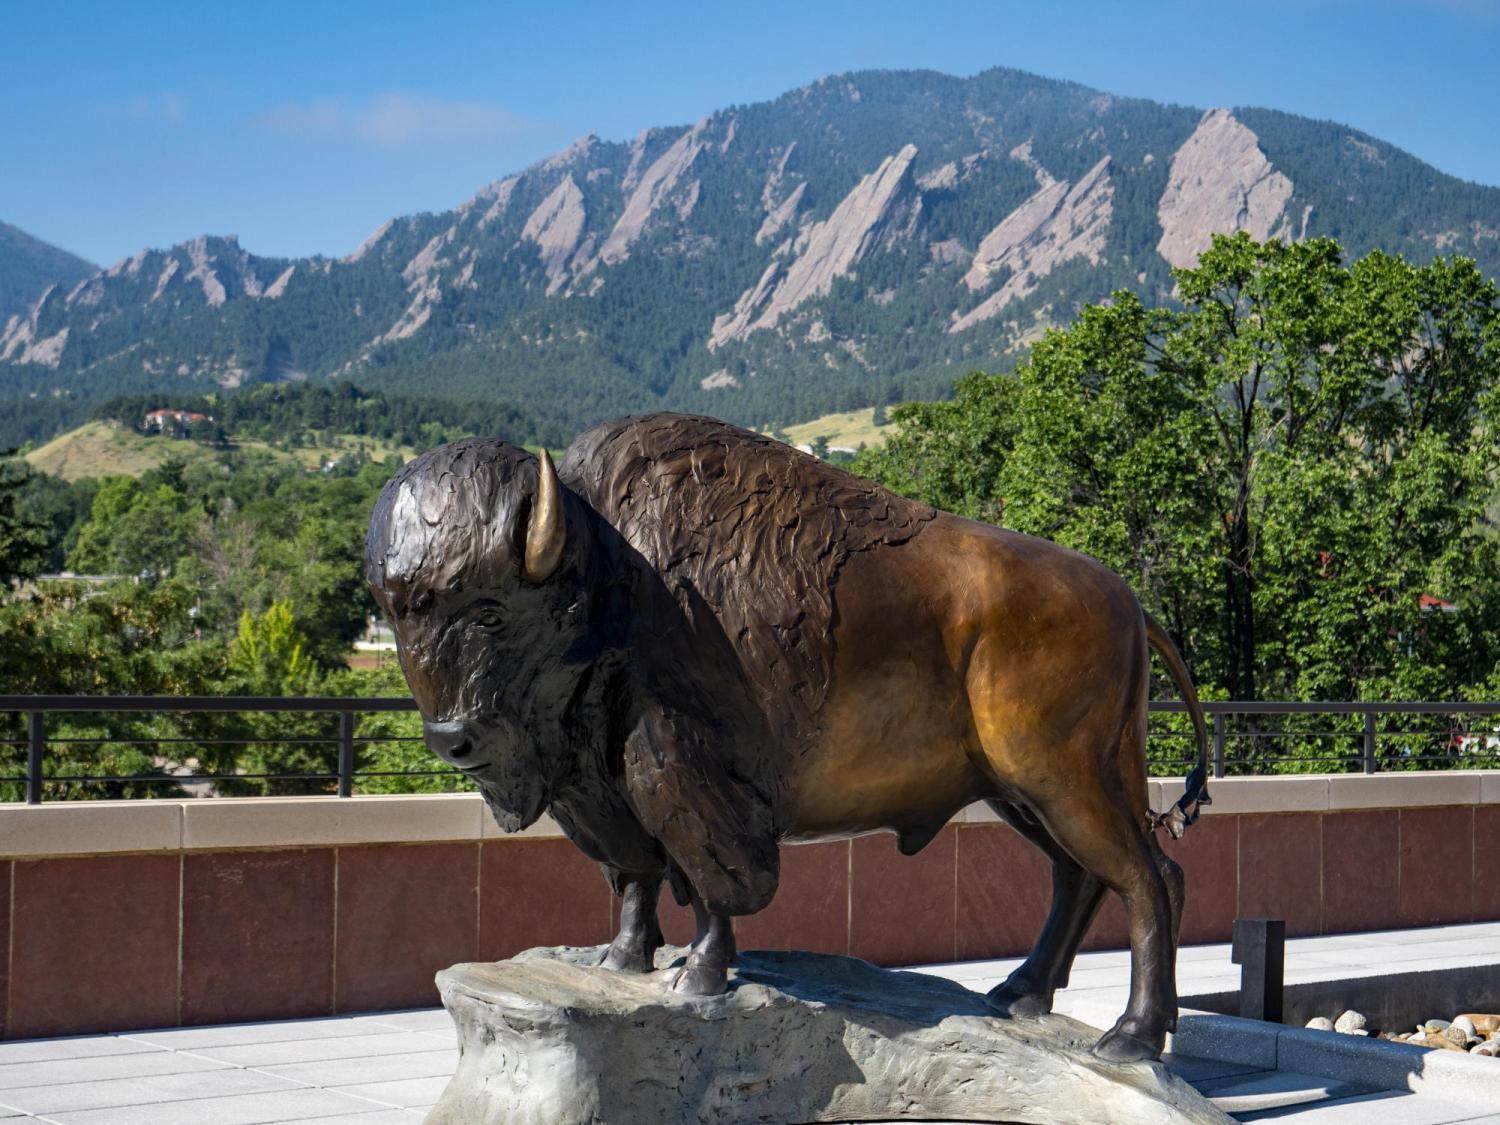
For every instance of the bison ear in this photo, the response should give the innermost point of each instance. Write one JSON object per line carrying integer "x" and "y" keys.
{"x": 547, "y": 530}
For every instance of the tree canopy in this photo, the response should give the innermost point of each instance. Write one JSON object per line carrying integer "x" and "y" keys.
{"x": 1293, "y": 467}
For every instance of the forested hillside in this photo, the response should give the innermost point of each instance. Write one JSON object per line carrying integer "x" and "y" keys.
{"x": 858, "y": 242}
{"x": 28, "y": 266}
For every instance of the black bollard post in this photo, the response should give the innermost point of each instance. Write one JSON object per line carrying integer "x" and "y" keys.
{"x": 1259, "y": 949}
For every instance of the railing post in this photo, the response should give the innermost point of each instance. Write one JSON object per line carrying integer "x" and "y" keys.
{"x": 346, "y": 753}
{"x": 1370, "y": 762}
{"x": 1218, "y": 744}
{"x": 1259, "y": 948}
{"x": 36, "y": 746}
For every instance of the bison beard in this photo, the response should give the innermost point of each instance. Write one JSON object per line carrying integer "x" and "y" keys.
{"x": 711, "y": 644}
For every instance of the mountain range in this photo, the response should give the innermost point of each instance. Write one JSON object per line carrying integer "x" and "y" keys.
{"x": 861, "y": 240}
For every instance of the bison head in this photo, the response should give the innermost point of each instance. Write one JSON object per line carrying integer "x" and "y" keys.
{"x": 468, "y": 555}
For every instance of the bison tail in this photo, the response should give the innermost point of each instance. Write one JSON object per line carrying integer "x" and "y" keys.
{"x": 1195, "y": 791}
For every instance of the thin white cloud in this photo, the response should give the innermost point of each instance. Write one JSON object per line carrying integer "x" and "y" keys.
{"x": 393, "y": 120}
{"x": 165, "y": 107}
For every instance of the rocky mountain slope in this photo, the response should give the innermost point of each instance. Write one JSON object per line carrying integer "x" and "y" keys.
{"x": 863, "y": 239}
{"x": 28, "y": 265}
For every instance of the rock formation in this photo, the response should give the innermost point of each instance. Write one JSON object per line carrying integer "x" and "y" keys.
{"x": 21, "y": 342}
{"x": 1220, "y": 182}
{"x": 883, "y": 206}
{"x": 655, "y": 184}
{"x": 1062, "y": 221}
{"x": 555, "y": 227}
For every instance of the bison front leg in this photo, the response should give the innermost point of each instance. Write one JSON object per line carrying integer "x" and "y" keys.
{"x": 706, "y": 971}
{"x": 639, "y": 937}
{"x": 716, "y": 825}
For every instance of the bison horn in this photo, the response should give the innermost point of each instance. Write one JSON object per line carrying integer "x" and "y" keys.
{"x": 547, "y": 531}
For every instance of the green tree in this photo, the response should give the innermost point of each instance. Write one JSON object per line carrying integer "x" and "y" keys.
{"x": 267, "y": 655}
{"x": 1291, "y": 468}
{"x": 73, "y": 638}
{"x": 23, "y": 536}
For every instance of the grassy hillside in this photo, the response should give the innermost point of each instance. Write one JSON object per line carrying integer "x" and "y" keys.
{"x": 848, "y": 430}
{"x": 98, "y": 449}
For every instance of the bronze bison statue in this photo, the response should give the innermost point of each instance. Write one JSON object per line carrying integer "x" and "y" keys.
{"x": 692, "y": 643}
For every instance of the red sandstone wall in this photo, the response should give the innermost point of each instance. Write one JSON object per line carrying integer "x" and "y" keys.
{"x": 119, "y": 942}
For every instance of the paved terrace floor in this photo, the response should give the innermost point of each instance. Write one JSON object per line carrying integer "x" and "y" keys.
{"x": 387, "y": 1069}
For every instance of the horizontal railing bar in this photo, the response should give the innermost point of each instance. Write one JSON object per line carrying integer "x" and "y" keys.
{"x": 188, "y": 778}
{"x": 208, "y": 703}
{"x": 359, "y": 704}
{"x": 1233, "y": 707}
{"x": 196, "y": 778}
{"x": 264, "y": 740}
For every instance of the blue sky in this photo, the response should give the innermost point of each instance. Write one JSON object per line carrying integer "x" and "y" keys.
{"x": 301, "y": 126}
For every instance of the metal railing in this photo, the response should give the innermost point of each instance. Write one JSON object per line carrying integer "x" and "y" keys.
{"x": 1282, "y": 738}
{"x": 1248, "y": 738}
{"x": 344, "y": 739}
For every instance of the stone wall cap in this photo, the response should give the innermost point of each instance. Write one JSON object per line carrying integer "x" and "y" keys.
{"x": 224, "y": 823}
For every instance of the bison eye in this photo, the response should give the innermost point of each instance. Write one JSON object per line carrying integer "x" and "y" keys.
{"x": 489, "y": 619}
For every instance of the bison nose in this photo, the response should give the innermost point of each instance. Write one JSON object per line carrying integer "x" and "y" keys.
{"x": 449, "y": 741}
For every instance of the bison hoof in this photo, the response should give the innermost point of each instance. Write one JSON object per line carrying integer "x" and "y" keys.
{"x": 1122, "y": 1046}
{"x": 1019, "y": 1000}
{"x": 700, "y": 980}
{"x": 618, "y": 960}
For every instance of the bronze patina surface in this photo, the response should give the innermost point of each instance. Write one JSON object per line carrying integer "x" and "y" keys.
{"x": 692, "y": 643}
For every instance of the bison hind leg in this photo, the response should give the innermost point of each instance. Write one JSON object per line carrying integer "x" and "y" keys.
{"x": 706, "y": 970}
{"x": 634, "y": 947}
{"x": 1030, "y": 989}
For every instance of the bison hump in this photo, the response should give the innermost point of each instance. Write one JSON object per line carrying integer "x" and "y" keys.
{"x": 757, "y": 530}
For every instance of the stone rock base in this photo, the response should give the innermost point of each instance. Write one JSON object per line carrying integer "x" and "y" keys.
{"x": 547, "y": 1039}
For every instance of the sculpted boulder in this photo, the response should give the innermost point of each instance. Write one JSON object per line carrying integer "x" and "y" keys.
{"x": 548, "y": 1040}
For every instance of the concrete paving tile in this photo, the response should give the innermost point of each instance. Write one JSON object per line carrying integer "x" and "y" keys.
{"x": 1194, "y": 1070}
{"x": 72, "y": 1096}
{"x": 80, "y": 1047}
{"x": 318, "y": 1050}
{"x": 101, "y": 1068}
{"x": 1332, "y": 941}
{"x": 1274, "y": 1089}
{"x": 1481, "y": 947}
{"x": 1450, "y": 1074}
{"x": 386, "y": 1068}
{"x": 1216, "y": 952}
{"x": 423, "y": 1019}
{"x": 405, "y": 1093}
{"x": 277, "y": 1031}
{"x": 959, "y": 970}
{"x": 1423, "y": 964}
{"x": 1424, "y": 935}
{"x": 954, "y": 974}
{"x": 242, "y": 1109}
{"x": 1389, "y": 1108}
{"x": 377, "y": 1117}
